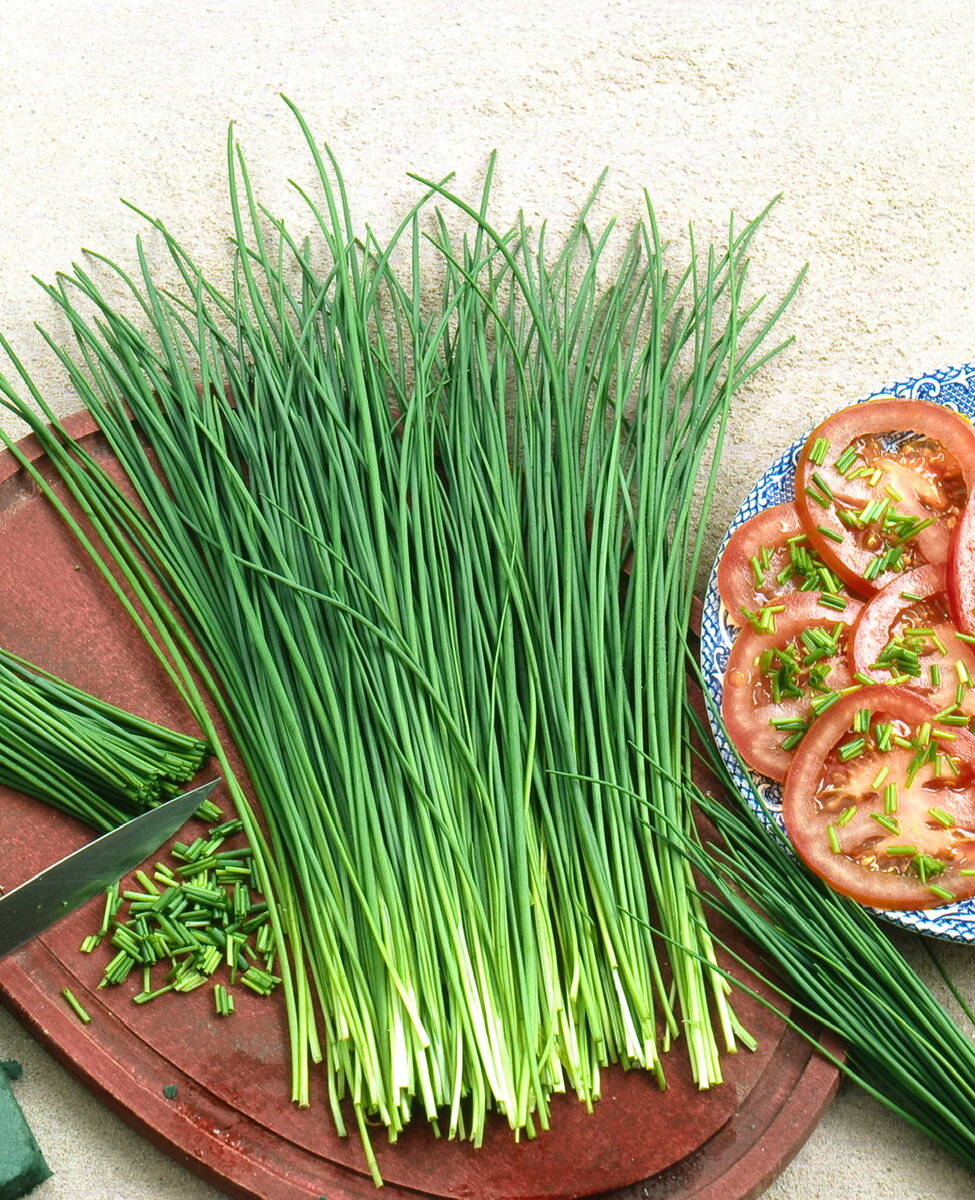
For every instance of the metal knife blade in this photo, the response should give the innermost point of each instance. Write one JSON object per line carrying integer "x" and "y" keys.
{"x": 38, "y": 903}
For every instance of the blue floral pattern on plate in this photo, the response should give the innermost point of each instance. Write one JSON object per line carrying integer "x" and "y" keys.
{"x": 953, "y": 387}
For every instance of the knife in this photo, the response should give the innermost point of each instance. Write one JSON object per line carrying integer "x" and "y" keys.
{"x": 35, "y": 905}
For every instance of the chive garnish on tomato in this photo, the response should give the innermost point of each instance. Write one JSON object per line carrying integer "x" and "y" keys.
{"x": 819, "y": 450}
{"x": 820, "y": 704}
{"x": 851, "y": 749}
{"x": 833, "y": 600}
{"x": 942, "y": 817}
{"x": 878, "y": 780}
{"x": 823, "y": 486}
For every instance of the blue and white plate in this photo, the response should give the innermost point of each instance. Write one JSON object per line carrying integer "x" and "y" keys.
{"x": 953, "y": 387}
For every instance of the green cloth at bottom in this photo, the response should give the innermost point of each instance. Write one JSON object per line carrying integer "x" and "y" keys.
{"x": 22, "y": 1166}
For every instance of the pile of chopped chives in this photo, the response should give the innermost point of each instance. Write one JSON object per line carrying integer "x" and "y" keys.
{"x": 393, "y": 522}
{"x": 189, "y": 920}
{"x": 88, "y": 758}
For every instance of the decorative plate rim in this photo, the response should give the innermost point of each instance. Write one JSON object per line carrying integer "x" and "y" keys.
{"x": 951, "y": 386}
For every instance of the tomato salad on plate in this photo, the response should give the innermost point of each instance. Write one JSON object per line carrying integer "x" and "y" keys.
{"x": 840, "y": 649}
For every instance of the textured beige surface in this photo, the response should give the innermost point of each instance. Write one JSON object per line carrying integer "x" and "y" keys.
{"x": 862, "y": 115}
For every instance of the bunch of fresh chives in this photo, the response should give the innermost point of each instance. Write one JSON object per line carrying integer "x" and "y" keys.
{"x": 397, "y": 531}
{"x": 90, "y": 759}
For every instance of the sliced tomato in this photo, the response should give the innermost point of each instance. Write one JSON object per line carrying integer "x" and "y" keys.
{"x": 769, "y": 556}
{"x": 906, "y": 633}
{"x": 880, "y": 487}
{"x": 776, "y": 680}
{"x": 880, "y": 801}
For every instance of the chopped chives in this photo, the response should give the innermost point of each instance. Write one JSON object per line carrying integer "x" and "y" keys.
{"x": 832, "y": 534}
{"x": 820, "y": 704}
{"x": 851, "y": 749}
{"x": 877, "y": 782}
{"x": 873, "y": 568}
{"x": 819, "y": 450}
{"x": 75, "y": 1005}
{"x": 823, "y": 486}
{"x": 831, "y": 600}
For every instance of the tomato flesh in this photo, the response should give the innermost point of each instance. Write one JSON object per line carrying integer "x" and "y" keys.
{"x": 880, "y": 487}
{"x": 767, "y": 557}
{"x": 906, "y": 633}
{"x": 880, "y": 801}
{"x": 776, "y": 680}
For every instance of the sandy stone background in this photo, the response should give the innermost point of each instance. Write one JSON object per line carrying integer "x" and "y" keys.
{"x": 861, "y": 116}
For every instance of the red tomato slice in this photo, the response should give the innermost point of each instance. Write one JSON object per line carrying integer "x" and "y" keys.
{"x": 880, "y": 486}
{"x": 769, "y": 556}
{"x": 906, "y": 633}
{"x": 775, "y": 680}
{"x": 880, "y": 806}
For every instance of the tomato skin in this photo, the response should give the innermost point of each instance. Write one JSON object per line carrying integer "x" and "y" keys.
{"x": 746, "y": 706}
{"x": 816, "y": 781}
{"x": 887, "y": 613}
{"x": 934, "y": 480}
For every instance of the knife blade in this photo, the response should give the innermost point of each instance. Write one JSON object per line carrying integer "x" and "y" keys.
{"x": 35, "y": 905}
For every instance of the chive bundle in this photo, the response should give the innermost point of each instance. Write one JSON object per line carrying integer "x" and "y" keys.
{"x": 393, "y": 526}
{"x": 88, "y": 758}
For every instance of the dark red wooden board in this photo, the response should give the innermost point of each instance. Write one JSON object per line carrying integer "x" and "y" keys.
{"x": 231, "y": 1120}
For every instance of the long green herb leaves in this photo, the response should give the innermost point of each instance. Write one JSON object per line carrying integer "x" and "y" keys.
{"x": 88, "y": 758}
{"x": 430, "y": 557}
